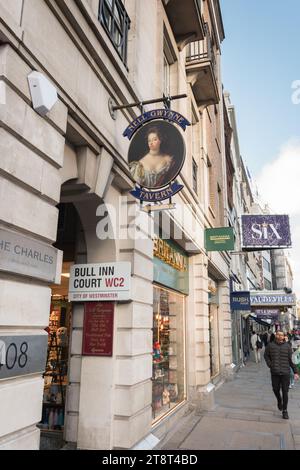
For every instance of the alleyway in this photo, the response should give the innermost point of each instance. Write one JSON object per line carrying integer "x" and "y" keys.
{"x": 245, "y": 417}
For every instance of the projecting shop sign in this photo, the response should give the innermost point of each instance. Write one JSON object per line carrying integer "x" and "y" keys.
{"x": 100, "y": 282}
{"x": 265, "y": 232}
{"x": 240, "y": 300}
{"x": 273, "y": 299}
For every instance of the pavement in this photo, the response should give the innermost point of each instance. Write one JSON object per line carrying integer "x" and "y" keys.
{"x": 245, "y": 417}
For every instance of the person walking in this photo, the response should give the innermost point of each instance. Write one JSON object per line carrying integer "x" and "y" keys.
{"x": 256, "y": 346}
{"x": 265, "y": 338}
{"x": 278, "y": 356}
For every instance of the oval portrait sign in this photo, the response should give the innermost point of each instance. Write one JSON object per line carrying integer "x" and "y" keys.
{"x": 156, "y": 154}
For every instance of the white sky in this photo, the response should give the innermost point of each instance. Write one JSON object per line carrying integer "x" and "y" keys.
{"x": 279, "y": 186}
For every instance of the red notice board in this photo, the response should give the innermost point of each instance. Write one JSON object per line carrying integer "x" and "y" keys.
{"x": 98, "y": 328}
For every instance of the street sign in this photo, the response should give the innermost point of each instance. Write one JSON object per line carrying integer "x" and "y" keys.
{"x": 29, "y": 257}
{"x": 100, "y": 282}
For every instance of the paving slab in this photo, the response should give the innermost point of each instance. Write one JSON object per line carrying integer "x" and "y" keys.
{"x": 245, "y": 417}
{"x": 221, "y": 434}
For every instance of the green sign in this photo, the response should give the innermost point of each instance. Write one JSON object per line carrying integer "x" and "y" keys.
{"x": 219, "y": 239}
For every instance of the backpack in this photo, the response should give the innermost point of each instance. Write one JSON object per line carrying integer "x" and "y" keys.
{"x": 296, "y": 357}
{"x": 258, "y": 343}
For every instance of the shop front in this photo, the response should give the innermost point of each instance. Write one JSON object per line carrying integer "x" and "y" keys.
{"x": 169, "y": 355}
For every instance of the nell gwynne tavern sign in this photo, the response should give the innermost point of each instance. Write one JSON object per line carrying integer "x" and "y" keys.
{"x": 156, "y": 155}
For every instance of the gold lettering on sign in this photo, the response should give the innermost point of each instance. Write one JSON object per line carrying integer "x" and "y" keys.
{"x": 169, "y": 255}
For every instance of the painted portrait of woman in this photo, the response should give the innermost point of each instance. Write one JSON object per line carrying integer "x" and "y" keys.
{"x": 156, "y": 155}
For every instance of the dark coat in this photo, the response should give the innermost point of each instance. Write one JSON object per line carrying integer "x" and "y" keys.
{"x": 278, "y": 357}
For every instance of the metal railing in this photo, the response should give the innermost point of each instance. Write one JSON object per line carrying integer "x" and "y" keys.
{"x": 202, "y": 51}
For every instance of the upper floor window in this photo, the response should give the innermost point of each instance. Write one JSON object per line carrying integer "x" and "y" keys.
{"x": 116, "y": 22}
{"x": 195, "y": 176}
{"x": 266, "y": 265}
{"x": 167, "y": 77}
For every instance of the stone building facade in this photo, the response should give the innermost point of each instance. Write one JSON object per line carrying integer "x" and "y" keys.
{"x": 64, "y": 176}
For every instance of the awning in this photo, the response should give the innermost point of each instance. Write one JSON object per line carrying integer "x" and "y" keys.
{"x": 245, "y": 315}
{"x": 261, "y": 322}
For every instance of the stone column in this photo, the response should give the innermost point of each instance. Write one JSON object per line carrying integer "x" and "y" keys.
{"x": 204, "y": 396}
{"x": 32, "y": 150}
{"x": 134, "y": 322}
{"x": 225, "y": 331}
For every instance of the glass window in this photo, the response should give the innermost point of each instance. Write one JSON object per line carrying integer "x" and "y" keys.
{"x": 267, "y": 284}
{"x": 167, "y": 77}
{"x": 195, "y": 176}
{"x": 266, "y": 265}
{"x": 114, "y": 18}
{"x": 168, "y": 380}
{"x": 214, "y": 351}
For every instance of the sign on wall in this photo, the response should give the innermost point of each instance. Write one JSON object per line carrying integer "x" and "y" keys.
{"x": 22, "y": 355}
{"x": 100, "y": 282}
{"x": 219, "y": 239}
{"x": 265, "y": 231}
{"x": 240, "y": 300}
{"x": 98, "y": 328}
{"x": 24, "y": 255}
{"x": 156, "y": 154}
{"x": 170, "y": 265}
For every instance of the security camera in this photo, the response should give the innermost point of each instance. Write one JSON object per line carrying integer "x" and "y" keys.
{"x": 43, "y": 93}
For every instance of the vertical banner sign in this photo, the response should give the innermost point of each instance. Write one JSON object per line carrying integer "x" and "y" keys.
{"x": 240, "y": 300}
{"x": 265, "y": 232}
{"x": 98, "y": 329}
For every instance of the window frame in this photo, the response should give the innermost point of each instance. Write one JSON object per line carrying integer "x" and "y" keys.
{"x": 113, "y": 16}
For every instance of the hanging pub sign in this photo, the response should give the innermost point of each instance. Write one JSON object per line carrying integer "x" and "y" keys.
{"x": 219, "y": 239}
{"x": 264, "y": 232}
{"x": 156, "y": 154}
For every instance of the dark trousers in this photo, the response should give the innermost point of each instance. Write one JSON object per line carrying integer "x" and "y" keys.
{"x": 283, "y": 382}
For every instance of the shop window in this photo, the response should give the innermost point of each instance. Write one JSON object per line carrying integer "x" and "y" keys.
{"x": 169, "y": 384}
{"x": 56, "y": 370}
{"x": 214, "y": 352}
{"x": 116, "y": 22}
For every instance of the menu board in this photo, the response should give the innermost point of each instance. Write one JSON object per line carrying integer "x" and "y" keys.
{"x": 98, "y": 329}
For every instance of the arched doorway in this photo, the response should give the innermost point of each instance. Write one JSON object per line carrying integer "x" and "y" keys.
{"x": 71, "y": 241}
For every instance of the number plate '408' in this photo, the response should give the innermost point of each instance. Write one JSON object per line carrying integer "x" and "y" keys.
{"x": 22, "y": 355}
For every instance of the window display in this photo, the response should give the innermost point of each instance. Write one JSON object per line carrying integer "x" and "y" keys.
{"x": 55, "y": 375}
{"x": 168, "y": 351}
